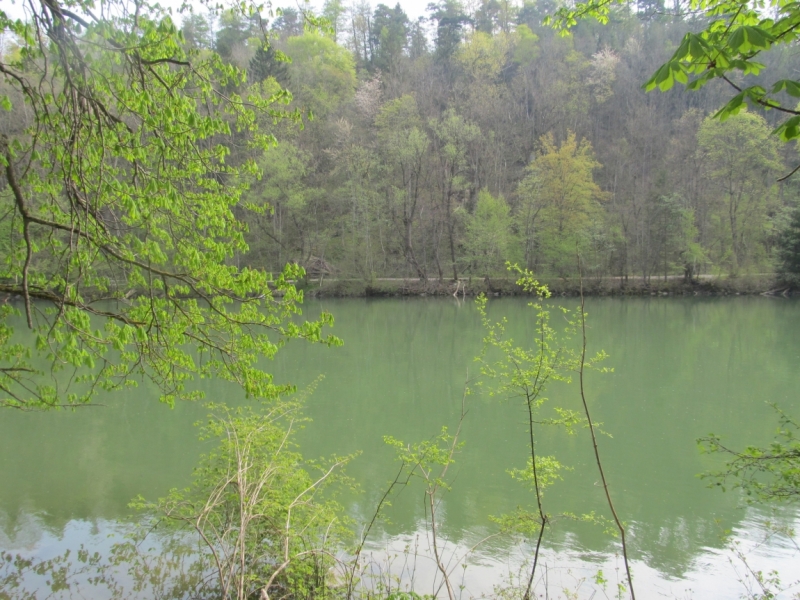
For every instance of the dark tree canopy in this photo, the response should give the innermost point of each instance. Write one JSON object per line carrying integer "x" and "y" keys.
{"x": 450, "y": 20}
{"x": 390, "y": 28}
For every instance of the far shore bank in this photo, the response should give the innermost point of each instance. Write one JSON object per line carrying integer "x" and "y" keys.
{"x": 707, "y": 285}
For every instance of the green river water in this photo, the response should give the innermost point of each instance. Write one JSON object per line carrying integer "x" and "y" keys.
{"x": 682, "y": 368}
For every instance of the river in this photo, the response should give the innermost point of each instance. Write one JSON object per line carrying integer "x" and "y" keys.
{"x": 682, "y": 368}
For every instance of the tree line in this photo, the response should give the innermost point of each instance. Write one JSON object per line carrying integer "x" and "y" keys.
{"x": 446, "y": 146}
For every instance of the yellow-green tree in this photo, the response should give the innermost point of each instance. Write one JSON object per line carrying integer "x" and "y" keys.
{"x": 488, "y": 234}
{"x": 483, "y": 56}
{"x": 323, "y": 74}
{"x": 559, "y": 202}
{"x": 287, "y": 229}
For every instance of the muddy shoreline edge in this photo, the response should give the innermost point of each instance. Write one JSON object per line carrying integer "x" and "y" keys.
{"x": 744, "y": 285}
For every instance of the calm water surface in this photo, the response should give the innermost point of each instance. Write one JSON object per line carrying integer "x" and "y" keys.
{"x": 682, "y": 368}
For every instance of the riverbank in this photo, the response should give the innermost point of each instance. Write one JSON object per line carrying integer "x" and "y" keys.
{"x": 762, "y": 284}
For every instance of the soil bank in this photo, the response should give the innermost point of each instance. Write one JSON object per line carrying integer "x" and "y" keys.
{"x": 762, "y": 284}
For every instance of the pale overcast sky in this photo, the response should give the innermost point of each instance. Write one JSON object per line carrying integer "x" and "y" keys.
{"x": 413, "y": 8}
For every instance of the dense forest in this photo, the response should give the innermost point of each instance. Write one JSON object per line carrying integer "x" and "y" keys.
{"x": 443, "y": 147}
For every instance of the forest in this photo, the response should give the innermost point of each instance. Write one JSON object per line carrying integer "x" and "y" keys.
{"x": 444, "y": 147}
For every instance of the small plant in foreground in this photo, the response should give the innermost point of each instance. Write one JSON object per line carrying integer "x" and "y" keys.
{"x": 254, "y": 514}
{"x": 522, "y": 373}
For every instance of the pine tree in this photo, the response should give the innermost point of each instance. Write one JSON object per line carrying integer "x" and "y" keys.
{"x": 266, "y": 63}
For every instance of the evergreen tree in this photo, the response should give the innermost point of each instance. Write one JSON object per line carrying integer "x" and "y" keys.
{"x": 196, "y": 31}
{"x": 288, "y": 23}
{"x": 232, "y": 35}
{"x": 267, "y": 62}
{"x": 450, "y": 19}
{"x": 389, "y": 35}
{"x": 418, "y": 40}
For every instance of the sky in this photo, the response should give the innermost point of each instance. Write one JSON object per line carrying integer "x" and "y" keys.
{"x": 413, "y": 8}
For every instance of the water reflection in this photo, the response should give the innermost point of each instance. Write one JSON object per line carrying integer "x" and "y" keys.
{"x": 567, "y": 570}
{"x": 683, "y": 368}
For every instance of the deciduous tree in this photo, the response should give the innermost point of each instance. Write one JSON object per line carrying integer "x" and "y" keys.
{"x": 741, "y": 161}
{"x": 559, "y": 199}
{"x": 488, "y": 234}
{"x": 119, "y": 202}
{"x": 729, "y": 49}
{"x": 404, "y": 146}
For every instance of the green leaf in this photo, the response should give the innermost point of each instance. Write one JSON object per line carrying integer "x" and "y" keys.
{"x": 733, "y": 106}
{"x": 789, "y": 129}
{"x": 698, "y": 47}
{"x": 663, "y": 78}
{"x": 790, "y": 86}
{"x": 737, "y": 40}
